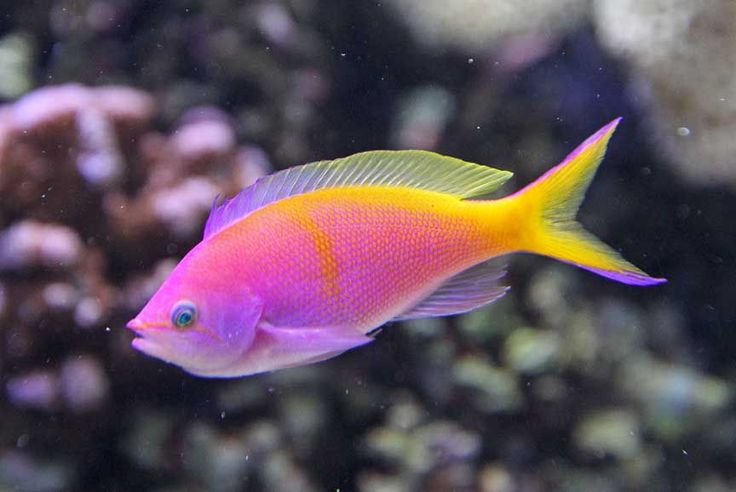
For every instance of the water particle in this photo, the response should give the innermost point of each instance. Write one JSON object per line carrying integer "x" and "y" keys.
{"x": 683, "y": 131}
{"x": 471, "y": 61}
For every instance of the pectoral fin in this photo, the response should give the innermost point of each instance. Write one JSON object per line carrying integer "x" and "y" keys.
{"x": 281, "y": 347}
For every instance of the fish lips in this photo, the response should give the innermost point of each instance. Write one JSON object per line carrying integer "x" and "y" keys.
{"x": 145, "y": 341}
{"x": 136, "y": 325}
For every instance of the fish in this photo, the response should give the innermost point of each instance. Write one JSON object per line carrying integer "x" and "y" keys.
{"x": 309, "y": 262}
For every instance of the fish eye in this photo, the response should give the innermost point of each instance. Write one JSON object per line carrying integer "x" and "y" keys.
{"x": 184, "y": 314}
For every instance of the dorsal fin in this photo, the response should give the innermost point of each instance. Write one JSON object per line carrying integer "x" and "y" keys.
{"x": 469, "y": 289}
{"x": 412, "y": 168}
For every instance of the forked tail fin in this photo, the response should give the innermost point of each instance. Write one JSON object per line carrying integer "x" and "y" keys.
{"x": 551, "y": 203}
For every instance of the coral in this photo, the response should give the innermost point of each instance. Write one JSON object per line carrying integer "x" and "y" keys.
{"x": 82, "y": 177}
{"x": 682, "y": 55}
{"x": 65, "y": 139}
{"x": 474, "y": 25}
{"x": 31, "y": 244}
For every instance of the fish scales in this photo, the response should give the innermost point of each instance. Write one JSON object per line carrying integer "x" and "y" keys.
{"x": 319, "y": 256}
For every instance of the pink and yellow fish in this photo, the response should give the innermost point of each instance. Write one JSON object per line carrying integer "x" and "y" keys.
{"x": 308, "y": 262}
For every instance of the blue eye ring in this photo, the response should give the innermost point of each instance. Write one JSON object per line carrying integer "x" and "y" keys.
{"x": 184, "y": 314}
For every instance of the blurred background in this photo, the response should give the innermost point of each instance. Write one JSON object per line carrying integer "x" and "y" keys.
{"x": 122, "y": 119}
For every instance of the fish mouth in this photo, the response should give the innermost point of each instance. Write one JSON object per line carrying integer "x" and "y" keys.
{"x": 143, "y": 330}
{"x": 146, "y": 346}
{"x": 144, "y": 342}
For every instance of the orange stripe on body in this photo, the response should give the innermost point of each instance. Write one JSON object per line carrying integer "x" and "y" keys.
{"x": 325, "y": 251}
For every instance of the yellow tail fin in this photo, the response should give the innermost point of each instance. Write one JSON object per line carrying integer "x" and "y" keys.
{"x": 551, "y": 203}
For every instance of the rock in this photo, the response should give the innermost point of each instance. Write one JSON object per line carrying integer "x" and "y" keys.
{"x": 496, "y": 478}
{"x": 492, "y": 389}
{"x": 528, "y": 350}
{"x": 303, "y": 417}
{"x": 490, "y": 323}
{"x": 421, "y": 119}
{"x": 612, "y": 432}
{"x": 447, "y": 442}
{"x": 20, "y": 471}
{"x": 282, "y": 474}
{"x": 675, "y": 399}
{"x": 391, "y": 445}
{"x": 16, "y": 65}
{"x": 146, "y": 442}
{"x": 38, "y": 389}
{"x": 220, "y": 462}
{"x": 380, "y": 482}
{"x": 84, "y": 384}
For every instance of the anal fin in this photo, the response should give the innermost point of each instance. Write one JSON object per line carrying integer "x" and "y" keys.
{"x": 463, "y": 292}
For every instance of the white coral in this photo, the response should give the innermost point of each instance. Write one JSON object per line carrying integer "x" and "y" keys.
{"x": 477, "y": 24}
{"x": 683, "y": 54}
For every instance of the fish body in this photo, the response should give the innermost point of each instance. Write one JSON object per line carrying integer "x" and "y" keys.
{"x": 363, "y": 256}
{"x": 308, "y": 262}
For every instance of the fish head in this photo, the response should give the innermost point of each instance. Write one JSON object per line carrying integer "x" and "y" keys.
{"x": 197, "y": 322}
